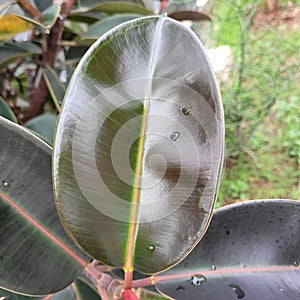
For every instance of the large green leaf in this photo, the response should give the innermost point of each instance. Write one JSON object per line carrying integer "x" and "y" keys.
{"x": 115, "y": 7}
{"x": 36, "y": 255}
{"x": 43, "y": 5}
{"x": 88, "y": 17}
{"x": 4, "y": 294}
{"x": 46, "y": 19}
{"x": 189, "y": 15}
{"x": 78, "y": 290}
{"x": 56, "y": 88}
{"x": 251, "y": 251}
{"x": 12, "y": 51}
{"x": 101, "y": 27}
{"x": 43, "y": 126}
{"x": 139, "y": 146}
{"x": 93, "y": 3}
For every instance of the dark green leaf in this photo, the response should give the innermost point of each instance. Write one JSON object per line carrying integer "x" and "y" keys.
{"x": 115, "y": 7}
{"x": 13, "y": 51}
{"x": 76, "y": 53}
{"x": 86, "y": 291}
{"x": 251, "y": 251}
{"x": 79, "y": 290}
{"x": 55, "y": 86}
{"x": 88, "y": 17}
{"x": 189, "y": 15}
{"x": 49, "y": 16}
{"x": 75, "y": 27}
{"x": 43, "y": 126}
{"x": 12, "y": 296}
{"x": 6, "y": 112}
{"x": 93, "y": 3}
{"x": 99, "y": 28}
{"x": 140, "y": 141}
{"x": 46, "y": 19}
{"x": 43, "y": 4}
{"x": 36, "y": 255}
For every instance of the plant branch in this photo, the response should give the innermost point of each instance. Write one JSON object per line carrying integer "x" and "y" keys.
{"x": 107, "y": 286}
{"x": 128, "y": 276}
{"x": 38, "y": 91}
{"x": 27, "y": 7}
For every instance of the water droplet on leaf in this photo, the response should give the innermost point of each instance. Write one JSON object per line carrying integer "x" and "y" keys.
{"x": 239, "y": 292}
{"x": 296, "y": 264}
{"x": 5, "y": 184}
{"x": 185, "y": 110}
{"x": 174, "y": 136}
{"x": 151, "y": 248}
{"x": 197, "y": 279}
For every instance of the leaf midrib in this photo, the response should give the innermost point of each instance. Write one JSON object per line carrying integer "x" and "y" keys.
{"x": 133, "y": 225}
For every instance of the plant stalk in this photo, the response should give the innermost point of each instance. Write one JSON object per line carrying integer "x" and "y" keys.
{"x": 27, "y": 7}
{"x": 128, "y": 276}
{"x": 38, "y": 92}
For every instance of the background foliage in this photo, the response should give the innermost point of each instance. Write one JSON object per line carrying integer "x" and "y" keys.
{"x": 261, "y": 99}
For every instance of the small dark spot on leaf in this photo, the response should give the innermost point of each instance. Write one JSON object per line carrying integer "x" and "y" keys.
{"x": 180, "y": 289}
{"x": 239, "y": 292}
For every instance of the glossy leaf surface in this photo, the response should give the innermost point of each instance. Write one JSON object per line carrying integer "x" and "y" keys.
{"x": 6, "y": 111}
{"x": 250, "y": 251}
{"x": 36, "y": 255}
{"x": 43, "y": 126}
{"x": 139, "y": 146}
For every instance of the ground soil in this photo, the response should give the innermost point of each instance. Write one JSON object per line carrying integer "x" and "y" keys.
{"x": 288, "y": 16}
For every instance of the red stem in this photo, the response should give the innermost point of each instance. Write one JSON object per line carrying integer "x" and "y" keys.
{"x": 129, "y": 295}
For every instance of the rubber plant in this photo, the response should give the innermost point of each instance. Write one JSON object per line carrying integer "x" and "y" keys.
{"x": 139, "y": 146}
{"x": 136, "y": 166}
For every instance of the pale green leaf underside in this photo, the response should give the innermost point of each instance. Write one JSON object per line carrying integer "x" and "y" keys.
{"x": 143, "y": 101}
